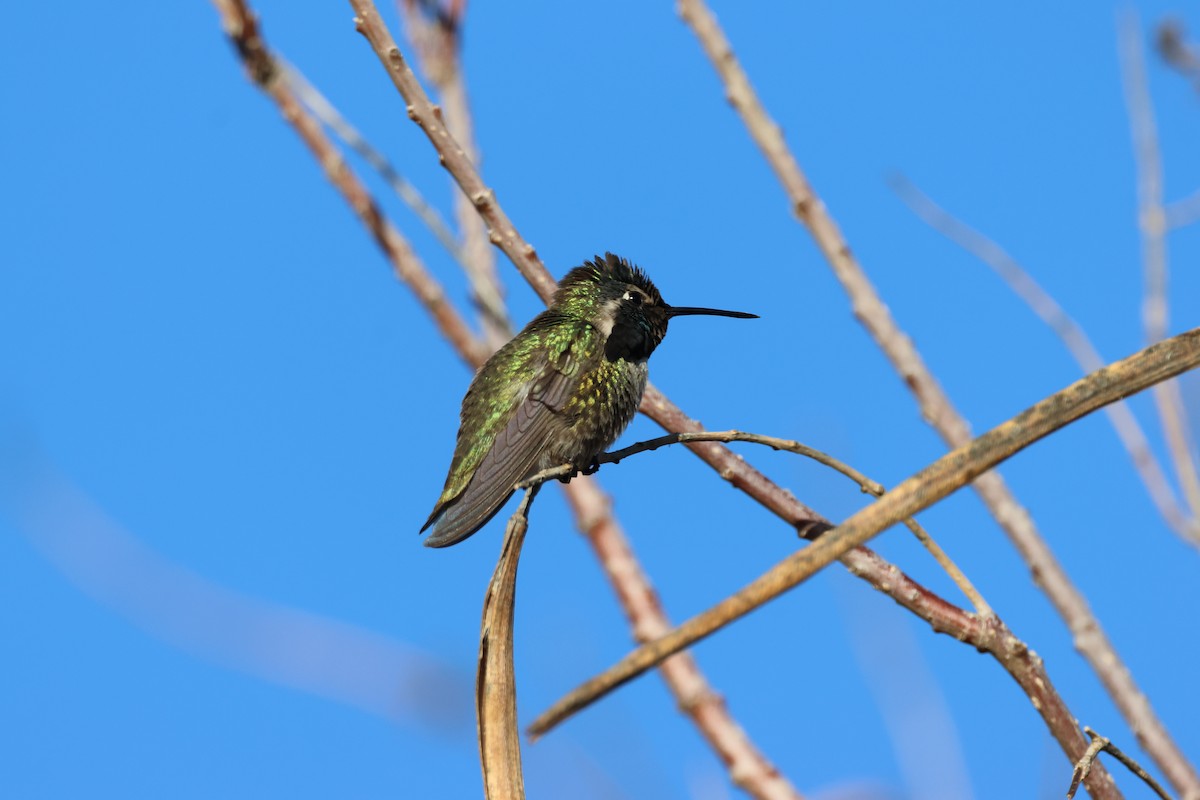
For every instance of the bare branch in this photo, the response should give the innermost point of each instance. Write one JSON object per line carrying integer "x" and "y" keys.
{"x": 1152, "y": 224}
{"x": 946, "y": 475}
{"x": 1129, "y": 431}
{"x": 790, "y": 445}
{"x": 329, "y": 116}
{"x": 749, "y": 768}
{"x": 1090, "y": 639}
{"x": 495, "y": 681}
{"x": 436, "y": 33}
{"x": 1102, "y": 744}
{"x": 242, "y": 28}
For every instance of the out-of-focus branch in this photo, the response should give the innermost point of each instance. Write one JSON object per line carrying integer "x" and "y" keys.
{"x": 749, "y": 768}
{"x": 1152, "y": 224}
{"x": 1090, "y": 639}
{"x": 1072, "y": 335}
{"x": 949, "y": 473}
{"x": 242, "y": 28}
{"x": 436, "y": 33}
{"x": 1170, "y": 41}
{"x": 309, "y": 652}
{"x": 495, "y": 679}
{"x": 322, "y": 109}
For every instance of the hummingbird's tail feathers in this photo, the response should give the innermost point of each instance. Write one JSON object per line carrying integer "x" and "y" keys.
{"x": 512, "y": 458}
{"x": 463, "y": 517}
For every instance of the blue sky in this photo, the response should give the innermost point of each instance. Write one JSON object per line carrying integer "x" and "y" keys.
{"x": 241, "y": 419}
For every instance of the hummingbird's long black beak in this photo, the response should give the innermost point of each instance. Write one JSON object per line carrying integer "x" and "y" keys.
{"x": 688, "y": 311}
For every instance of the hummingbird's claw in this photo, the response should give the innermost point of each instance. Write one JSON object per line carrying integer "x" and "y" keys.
{"x": 591, "y": 468}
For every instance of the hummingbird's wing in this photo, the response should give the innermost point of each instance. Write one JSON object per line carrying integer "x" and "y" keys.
{"x": 517, "y": 446}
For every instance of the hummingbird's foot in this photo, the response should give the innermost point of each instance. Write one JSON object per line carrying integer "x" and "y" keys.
{"x": 591, "y": 468}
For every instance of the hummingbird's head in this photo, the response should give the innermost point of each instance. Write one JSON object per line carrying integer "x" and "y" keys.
{"x": 623, "y": 304}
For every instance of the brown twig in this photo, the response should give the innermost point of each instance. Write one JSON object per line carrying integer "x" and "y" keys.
{"x": 436, "y": 33}
{"x": 1089, "y": 638}
{"x": 1103, "y": 744}
{"x": 1169, "y": 41}
{"x": 792, "y": 446}
{"x": 330, "y": 117}
{"x": 946, "y": 475}
{"x": 1129, "y": 431}
{"x": 242, "y": 28}
{"x": 1152, "y": 224}
{"x": 749, "y": 768}
{"x": 495, "y": 679}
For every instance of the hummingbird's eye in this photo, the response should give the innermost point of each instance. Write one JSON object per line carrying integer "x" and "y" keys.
{"x": 635, "y": 298}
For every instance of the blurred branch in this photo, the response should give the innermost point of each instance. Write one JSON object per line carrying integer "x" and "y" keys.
{"x": 322, "y": 109}
{"x": 309, "y": 652}
{"x": 1169, "y": 41}
{"x": 437, "y": 34}
{"x": 1090, "y": 639}
{"x": 946, "y": 475}
{"x": 495, "y": 681}
{"x": 790, "y": 445}
{"x": 1101, "y": 744}
{"x": 1153, "y": 227}
{"x": 1072, "y": 335}
{"x": 242, "y": 28}
{"x": 748, "y": 767}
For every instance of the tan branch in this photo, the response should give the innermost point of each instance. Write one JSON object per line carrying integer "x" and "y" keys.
{"x": 495, "y": 679}
{"x": 330, "y": 117}
{"x": 1129, "y": 431}
{"x": 242, "y": 28}
{"x": 438, "y": 43}
{"x": 749, "y": 768}
{"x": 1152, "y": 224}
{"x": 1090, "y": 639}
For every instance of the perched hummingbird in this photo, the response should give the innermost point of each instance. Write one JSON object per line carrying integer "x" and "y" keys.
{"x": 561, "y": 391}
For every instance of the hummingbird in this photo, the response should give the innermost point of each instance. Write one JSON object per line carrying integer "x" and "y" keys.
{"x": 560, "y": 392}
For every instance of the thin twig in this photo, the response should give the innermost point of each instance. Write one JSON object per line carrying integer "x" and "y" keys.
{"x": 1152, "y": 225}
{"x": 495, "y": 679}
{"x": 1103, "y": 744}
{"x": 1129, "y": 431}
{"x": 792, "y": 446}
{"x": 1183, "y": 212}
{"x": 1089, "y": 638}
{"x": 330, "y": 117}
{"x": 437, "y": 34}
{"x": 1177, "y": 53}
{"x": 242, "y": 28}
{"x": 946, "y": 475}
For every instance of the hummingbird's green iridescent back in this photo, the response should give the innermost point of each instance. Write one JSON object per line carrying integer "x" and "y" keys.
{"x": 560, "y": 392}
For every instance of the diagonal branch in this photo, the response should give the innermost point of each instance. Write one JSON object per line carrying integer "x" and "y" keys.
{"x": 949, "y": 473}
{"x": 1129, "y": 431}
{"x": 1152, "y": 224}
{"x": 937, "y": 410}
